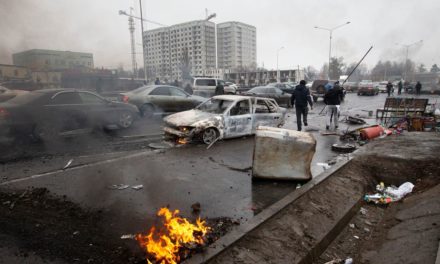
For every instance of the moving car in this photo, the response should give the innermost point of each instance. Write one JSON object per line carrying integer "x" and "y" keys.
{"x": 49, "y": 113}
{"x": 366, "y": 87}
{"x": 160, "y": 99}
{"x": 224, "y": 116}
{"x": 6, "y": 94}
{"x": 280, "y": 96}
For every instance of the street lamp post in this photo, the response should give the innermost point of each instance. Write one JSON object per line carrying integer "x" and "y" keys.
{"x": 278, "y": 71}
{"x": 330, "y": 30}
{"x": 406, "y": 56}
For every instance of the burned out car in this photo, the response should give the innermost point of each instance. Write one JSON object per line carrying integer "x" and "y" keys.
{"x": 223, "y": 116}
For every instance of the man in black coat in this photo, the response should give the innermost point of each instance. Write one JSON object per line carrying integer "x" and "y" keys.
{"x": 332, "y": 99}
{"x": 418, "y": 88}
{"x": 300, "y": 98}
{"x": 389, "y": 88}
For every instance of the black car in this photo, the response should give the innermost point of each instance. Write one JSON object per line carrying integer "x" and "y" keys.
{"x": 281, "y": 97}
{"x": 47, "y": 114}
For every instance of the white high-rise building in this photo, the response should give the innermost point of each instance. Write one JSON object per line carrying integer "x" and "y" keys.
{"x": 184, "y": 49}
{"x": 236, "y": 46}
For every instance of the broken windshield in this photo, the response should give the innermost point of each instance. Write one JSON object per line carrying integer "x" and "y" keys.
{"x": 215, "y": 106}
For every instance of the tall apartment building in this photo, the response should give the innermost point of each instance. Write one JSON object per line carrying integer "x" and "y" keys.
{"x": 38, "y": 59}
{"x": 180, "y": 51}
{"x": 236, "y": 46}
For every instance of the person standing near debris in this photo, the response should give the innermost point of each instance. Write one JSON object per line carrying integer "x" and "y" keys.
{"x": 301, "y": 96}
{"x": 399, "y": 88}
{"x": 389, "y": 88}
{"x": 332, "y": 99}
{"x": 418, "y": 88}
{"x": 219, "y": 89}
{"x": 157, "y": 81}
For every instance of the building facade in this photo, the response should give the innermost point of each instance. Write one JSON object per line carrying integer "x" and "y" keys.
{"x": 179, "y": 51}
{"x": 44, "y": 60}
{"x": 236, "y": 46}
{"x": 263, "y": 77}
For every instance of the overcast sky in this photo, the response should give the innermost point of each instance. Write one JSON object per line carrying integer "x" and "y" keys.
{"x": 95, "y": 26}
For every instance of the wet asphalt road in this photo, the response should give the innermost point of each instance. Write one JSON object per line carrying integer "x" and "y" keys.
{"x": 218, "y": 178}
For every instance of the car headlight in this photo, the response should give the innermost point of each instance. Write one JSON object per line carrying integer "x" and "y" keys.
{"x": 185, "y": 129}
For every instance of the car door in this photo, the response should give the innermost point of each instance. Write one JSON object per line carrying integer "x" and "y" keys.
{"x": 161, "y": 98}
{"x": 64, "y": 112}
{"x": 181, "y": 100}
{"x": 238, "y": 119}
{"x": 97, "y": 109}
{"x": 265, "y": 114}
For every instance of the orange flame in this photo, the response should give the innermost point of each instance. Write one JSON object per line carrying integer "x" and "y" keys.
{"x": 182, "y": 141}
{"x": 178, "y": 231}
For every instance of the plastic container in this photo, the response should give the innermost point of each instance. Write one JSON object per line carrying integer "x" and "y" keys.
{"x": 282, "y": 154}
{"x": 371, "y": 132}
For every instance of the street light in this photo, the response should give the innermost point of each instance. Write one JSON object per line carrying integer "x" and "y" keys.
{"x": 278, "y": 71}
{"x": 330, "y": 48}
{"x": 406, "y": 57}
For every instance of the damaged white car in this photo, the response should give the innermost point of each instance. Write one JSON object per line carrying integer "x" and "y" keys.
{"x": 223, "y": 116}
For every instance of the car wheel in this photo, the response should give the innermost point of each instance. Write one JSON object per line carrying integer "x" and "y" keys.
{"x": 45, "y": 132}
{"x": 209, "y": 135}
{"x": 125, "y": 119}
{"x": 147, "y": 110}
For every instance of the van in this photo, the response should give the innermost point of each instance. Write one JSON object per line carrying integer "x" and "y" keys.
{"x": 205, "y": 86}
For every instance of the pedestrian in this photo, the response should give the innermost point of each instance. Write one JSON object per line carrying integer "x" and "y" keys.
{"x": 389, "y": 88}
{"x": 219, "y": 89}
{"x": 399, "y": 87}
{"x": 301, "y": 96}
{"x": 176, "y": 83}
{"x": 337, "y": 86}
{"x": 157, "y": 81}
{"x": 332, "y": 99}
{"x": 418, "y": 88}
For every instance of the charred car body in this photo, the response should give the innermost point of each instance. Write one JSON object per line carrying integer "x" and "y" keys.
{"x": 223, "y": 116}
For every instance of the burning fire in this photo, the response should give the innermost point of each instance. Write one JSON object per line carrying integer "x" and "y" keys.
{"x": 177, "y": 232}
{"x": 182, "y": 141}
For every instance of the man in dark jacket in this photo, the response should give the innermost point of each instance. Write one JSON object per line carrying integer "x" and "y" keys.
{"x": 219, "y": 89}
{"x": 418, "y": 88}
{"x": 400, "y": 86}
{"x": 389, "y": 88}
{"x": 300, "y": 98}
{"x": 332, "y": 99}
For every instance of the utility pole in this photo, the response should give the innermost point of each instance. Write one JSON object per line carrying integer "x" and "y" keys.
{"x": 133, "y": 47}
{"x": 144, "y": 49}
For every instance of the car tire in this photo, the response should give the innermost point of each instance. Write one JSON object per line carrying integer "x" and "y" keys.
{"x": 125, "y": 119}
{"x": 147, "y": 110}
{"x": 209, "y": 135}
{"x": 45, "y": 132}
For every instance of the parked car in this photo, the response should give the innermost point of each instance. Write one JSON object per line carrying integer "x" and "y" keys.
{"x": 230, "y": 88}
{"x": 318, "y": 89}
{"x": 6, "y": 94}
{"x": 382, "y": 86}
{"x": 224, "y": 116}
{"x": 205, "y": 86}
{"x": 351, "y": 86}
{"x": 285, "y": 87}
{"x": 280, "y": 96}
{"x": 366, "y": 87}
{"x": 160, "y": 99}
{"x": 49, "y": 113}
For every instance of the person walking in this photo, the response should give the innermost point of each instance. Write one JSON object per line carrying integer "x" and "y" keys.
{"x": 399, "y": 88}
{"x": 157, "y": 81}
{"x": 389, "y": 88}
{"x": 332, "y": 99}
{"x": 418, "y": 88}
{"x": 300, "y": 97}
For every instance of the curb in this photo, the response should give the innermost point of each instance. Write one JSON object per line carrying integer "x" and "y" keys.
{"x": 236, "y": 234}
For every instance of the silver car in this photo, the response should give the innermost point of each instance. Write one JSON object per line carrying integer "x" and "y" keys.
{"x": 224, "y": 116}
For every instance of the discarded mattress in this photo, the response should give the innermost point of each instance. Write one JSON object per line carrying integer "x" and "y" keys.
{"x": 282, "y": 154}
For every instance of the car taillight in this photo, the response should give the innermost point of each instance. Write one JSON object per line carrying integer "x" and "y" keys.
{"x": 3, "y": 113}
{"x": 125, "y": 99}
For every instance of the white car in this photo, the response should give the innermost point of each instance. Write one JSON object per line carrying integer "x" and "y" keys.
{"x": 224, "y": 116}
{"x": 382, "y": 87}
{"x": 205, "y": 86}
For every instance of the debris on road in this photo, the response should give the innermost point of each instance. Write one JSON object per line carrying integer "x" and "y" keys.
{"x": 129, "y": 236}
{"x": 137, "y": 187}
{"x": 389, "y": 194}
{"x": 118, "y": 186}
{"x": 68, "y": 164}
{"x": 355, "y": 120}
{"x": 347, "y": 148}
{"x": 325, "y": 166}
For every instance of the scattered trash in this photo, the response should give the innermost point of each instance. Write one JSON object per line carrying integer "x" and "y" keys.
{"x": 356, "y": 237}
{"x": 367, "y": 230}
{"x": 389, "y": 194}
{"x": 355, "y": 120}
{"x": 118, "y": 186}
{"x": 368, "y": 223}
{"x": 348, "y": 261}
{"x": 298, "y": 186}
{"x": 196, "y": 207}
{"x": 363, "y": 211}
{"x": 75, "y": 233}
{"x": 341, "y": 261}
{"x": 352, "y": 225}
{"x": 137, "y": 187}
{"x": 325, "y": 166}
{"x": 129, "y": 236}
{"x": 68, "y": 164}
